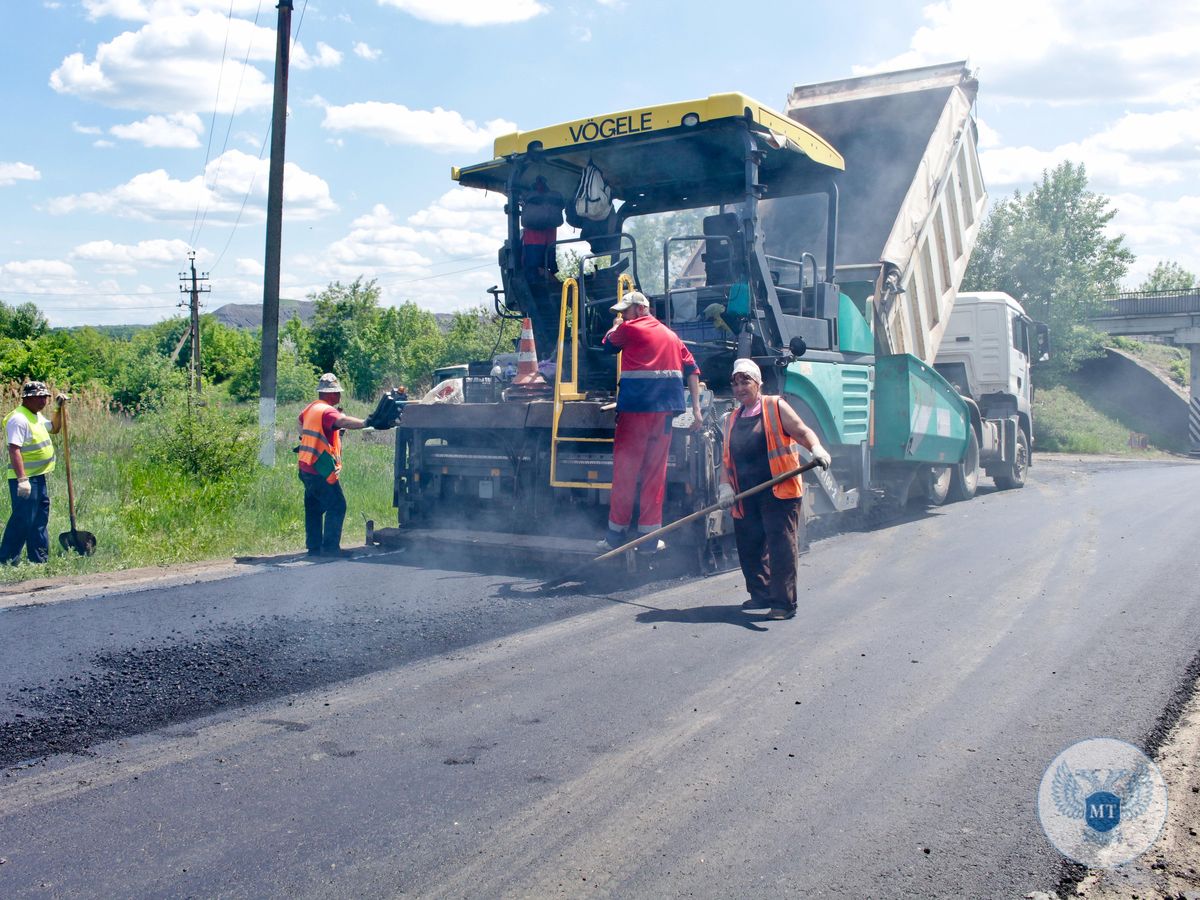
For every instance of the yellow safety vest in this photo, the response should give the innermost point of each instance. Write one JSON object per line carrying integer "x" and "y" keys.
{"x": 315, "y": 450}
{"x": 38, "y": 451}
{"x": 783, "y": 453}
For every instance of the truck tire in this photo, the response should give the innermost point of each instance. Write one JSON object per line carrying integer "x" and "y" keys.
{"x": 964, "y": 478}
{"x": 937, "y": 484}
{"x": 1020, "y": 464}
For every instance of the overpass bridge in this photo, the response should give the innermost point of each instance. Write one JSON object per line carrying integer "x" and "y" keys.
{"x": 1174, "y": 315}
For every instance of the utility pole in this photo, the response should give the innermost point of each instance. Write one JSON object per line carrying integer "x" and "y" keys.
{"x": 195, "y": 290}
{"x": 270, "y": 316}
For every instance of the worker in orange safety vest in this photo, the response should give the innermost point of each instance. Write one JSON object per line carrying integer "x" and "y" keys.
{"x": 320, "y": 456}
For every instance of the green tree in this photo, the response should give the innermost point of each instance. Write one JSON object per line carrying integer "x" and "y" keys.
{"x": 478, "y": 334}
{"x": 650, "y": 232}
{"x": 1050, "y": 250}
{"x": 22, "y": 322}
{"x": 1168, "y": 276}
{"x": 224, "y": 350}
{"x": 343, "y": 312}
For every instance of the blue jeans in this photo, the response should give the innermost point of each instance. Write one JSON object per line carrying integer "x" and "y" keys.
{"x": 27, "y": 525}
{"x": 324, "y": 512}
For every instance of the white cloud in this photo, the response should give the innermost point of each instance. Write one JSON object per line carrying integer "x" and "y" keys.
{"x": 145, "y": 10}
{"x": 173, "y": 63}
{"x": 1158, "y": 230}
{"x": 988, "y": 136}
{"x": 86, "y": 129}
{"x": 437, "y": 129}
{"x": 155, "y": 252}
{"x": 252, "y": 267}
{"x": 12, "y": 172}
{"x": 38, "y": 268}
{"x": 180, "y": 130}
{"x": 469, "y": 12}
{"x": 1047, "y": 51}
{"x": 1139, "y": 150}
{"x": 581, "y": 33}
{"x": 325, "y": 58}
{"x": 227, "y": 180}
{"x": 366, "y": 51}
{"x": 424, "y": 256}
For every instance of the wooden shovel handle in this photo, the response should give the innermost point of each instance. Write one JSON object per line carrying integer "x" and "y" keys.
{"x": 67, "y": 463}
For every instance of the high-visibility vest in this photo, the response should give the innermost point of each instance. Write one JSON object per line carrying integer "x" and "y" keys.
{"x": 783, "y": 454}
{"x": 38, "y": 452}
{"x": 313, "y": 443}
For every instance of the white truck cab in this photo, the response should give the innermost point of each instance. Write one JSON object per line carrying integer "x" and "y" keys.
{"x": 987, "y": 352}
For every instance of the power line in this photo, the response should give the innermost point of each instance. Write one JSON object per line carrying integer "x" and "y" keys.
{"x": 4, "y": 290}
{"x": 237, "y": 97}
{"x": 110, "y": 308}
{"x": 212, "y": 126}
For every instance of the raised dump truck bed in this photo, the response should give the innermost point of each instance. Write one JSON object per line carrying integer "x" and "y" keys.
{"x": 911, "y": 196}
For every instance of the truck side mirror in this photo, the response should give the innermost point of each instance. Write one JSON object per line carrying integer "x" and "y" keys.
{"x": 797, "y": 346}
{"x": 1043, "y": 341}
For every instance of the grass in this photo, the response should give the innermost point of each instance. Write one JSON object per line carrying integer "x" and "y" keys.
{"x": 1174, "y": 362}
{"x": 1065, "y": 423}
{"x": 148, "y": 514}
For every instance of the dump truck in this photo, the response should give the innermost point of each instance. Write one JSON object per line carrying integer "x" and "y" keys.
{"x": 826, "y": 242}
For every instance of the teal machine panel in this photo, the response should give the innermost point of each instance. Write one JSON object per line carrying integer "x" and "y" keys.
{"x": 919, "y": 417}
{"x": 838, "y": 395}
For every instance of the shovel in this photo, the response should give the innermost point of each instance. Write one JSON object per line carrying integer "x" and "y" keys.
{"x": 573, "y": 575}
{"x": 82, "y": 542}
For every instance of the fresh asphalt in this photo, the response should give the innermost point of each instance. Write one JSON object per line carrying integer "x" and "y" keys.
{"x": 375, "y": 728}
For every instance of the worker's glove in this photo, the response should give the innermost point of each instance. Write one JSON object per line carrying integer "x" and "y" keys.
{"x": 725, "y": 495}
{"x": 821, "y": 455}
{"x": 62, "y": 398}
{"x": 24, "y": 488}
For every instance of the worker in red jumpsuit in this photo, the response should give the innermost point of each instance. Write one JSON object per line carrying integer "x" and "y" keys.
{"x": 655, "y": 365}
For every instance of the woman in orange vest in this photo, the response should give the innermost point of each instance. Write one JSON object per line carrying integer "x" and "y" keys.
{"x": 320, "y": 457}
{"x": 762, "y": 440}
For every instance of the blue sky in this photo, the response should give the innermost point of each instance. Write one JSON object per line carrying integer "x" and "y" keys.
{"x": 134, "y": 128}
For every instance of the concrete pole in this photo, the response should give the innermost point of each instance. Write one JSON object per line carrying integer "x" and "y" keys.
{"x": 270, "y": 324}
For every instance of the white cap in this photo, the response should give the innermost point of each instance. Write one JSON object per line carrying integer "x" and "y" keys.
{"x": 633, "y": 298}
{"x": 749, "y": 368}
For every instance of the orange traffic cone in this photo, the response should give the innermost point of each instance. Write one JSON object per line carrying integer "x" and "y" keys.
{"x": 527, "y": 361}
{"x": 528, "y": 383}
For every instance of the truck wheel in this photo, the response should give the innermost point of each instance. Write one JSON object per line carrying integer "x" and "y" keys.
{"x": 964, "y": 478}
{"x": 1016, "y": 475}
{"x": 937, "y": 484}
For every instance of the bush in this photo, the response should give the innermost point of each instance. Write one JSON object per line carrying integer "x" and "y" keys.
{"x": 206, "y": 441}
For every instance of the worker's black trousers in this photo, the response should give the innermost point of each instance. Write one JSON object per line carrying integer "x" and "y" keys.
{"x": 324, "y": 512}
{"x": 766, "y": 542}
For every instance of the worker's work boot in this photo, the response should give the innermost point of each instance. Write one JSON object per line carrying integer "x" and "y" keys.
{"x": 651, "y": 547}
{"x": 776, "y": 614}
{"x": 756, "y": 604}
{"x": 611, "y": 541}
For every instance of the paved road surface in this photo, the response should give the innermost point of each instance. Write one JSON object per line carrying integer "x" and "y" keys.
{"x": 888, "y": 743}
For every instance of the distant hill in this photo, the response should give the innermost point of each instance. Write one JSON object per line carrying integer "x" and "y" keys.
{"x": 248, "y": 316}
